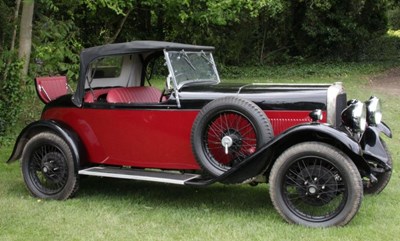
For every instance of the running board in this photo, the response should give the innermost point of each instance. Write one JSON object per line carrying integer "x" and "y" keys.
{"x": 140, "y": 175}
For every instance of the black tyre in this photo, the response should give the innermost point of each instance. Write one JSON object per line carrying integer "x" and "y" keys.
{"x": 48, "y": 167}
{"x": 316, "y": 185}
{"x": 226, "y": 131}
{"x": 383, "y": 178}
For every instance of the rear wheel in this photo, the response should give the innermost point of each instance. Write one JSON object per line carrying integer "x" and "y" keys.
{"x": 226, "y": 131}
{"x": 316, "y": 185}
{"x": 48, "y": 167}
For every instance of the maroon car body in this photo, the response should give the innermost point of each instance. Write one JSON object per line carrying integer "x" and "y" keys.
{"x": 307, "y": 141}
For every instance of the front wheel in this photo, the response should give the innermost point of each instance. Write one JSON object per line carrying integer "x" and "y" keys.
{"x": 48, "y": 167}
{"x": 316, "y": 185}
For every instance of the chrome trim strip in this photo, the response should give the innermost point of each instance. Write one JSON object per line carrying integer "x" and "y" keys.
{"x": 172, "y": 74}
{"x": 45, "y": 92}
{"x": 214, "y": 67}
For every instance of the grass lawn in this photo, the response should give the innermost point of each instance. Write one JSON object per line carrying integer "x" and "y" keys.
{"x": 108, "y": 209}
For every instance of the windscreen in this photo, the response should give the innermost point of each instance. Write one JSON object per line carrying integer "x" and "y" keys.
{"x": 192, "y": 67}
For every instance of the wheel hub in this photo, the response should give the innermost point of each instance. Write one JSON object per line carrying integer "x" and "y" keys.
{"x": 231, "y": 139}
{"x": 50, "y": 165}
{"x": 313, "y": 191}
{"x": 227, "y": 141}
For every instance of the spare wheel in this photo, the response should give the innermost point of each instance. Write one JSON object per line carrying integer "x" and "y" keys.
{"x": 226, "y": 131}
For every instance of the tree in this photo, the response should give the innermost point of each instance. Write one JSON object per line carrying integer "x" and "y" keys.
{"x": 15, "y": 21}
{"x": 25, "y": 34}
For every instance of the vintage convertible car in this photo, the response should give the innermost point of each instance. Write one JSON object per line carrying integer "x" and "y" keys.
{"x": 318, "y": 151}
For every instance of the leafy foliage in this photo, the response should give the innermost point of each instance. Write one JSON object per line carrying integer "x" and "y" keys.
{"x": 10, "y": 91}
{"x": 244, "y": 31}
{"x": 55, "y": 46}
{"x": 384, "y": 47}
{"x": 6, "y": 25}
{"x": 394, "y": 16}
{"x": 335, "y": 28}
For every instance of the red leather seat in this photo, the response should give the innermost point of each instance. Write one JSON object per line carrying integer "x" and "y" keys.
{"x": 52, "y": 87}
{"x": 140, "y": 94}
{"x": 91, "y": 97}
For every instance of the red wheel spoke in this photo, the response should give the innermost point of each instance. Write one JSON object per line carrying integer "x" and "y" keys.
{"x": 241, "y": 133}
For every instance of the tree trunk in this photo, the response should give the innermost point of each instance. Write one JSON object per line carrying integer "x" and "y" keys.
{"x": 15, "y": 21}
{"x": 121, "y": 25}
{"x": 14, "y": 36}
{"x": 25, "y": 34}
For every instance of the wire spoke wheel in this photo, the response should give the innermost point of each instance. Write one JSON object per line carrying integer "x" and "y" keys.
{"x": 238, "y": 133}
{"x": 226, "y": 131}
{"x": 314, "y": 189}
{"x": 316, "y": 185}
{"x": 48, "y": 167}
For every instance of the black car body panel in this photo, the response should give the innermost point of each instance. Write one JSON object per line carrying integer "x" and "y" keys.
{"x": 268, "y": 97}
{"x": 48, "y": 125}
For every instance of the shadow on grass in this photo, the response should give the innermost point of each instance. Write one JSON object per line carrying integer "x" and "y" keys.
{"x": 118, "y": 192}
{"x": 226, "y": 198}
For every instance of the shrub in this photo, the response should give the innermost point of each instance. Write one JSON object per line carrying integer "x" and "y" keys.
{"x": 394, "y": 17}
{"x": 386, "y": 47}
{"x": 55, "y": 48}
{"x": 10, "y": 91}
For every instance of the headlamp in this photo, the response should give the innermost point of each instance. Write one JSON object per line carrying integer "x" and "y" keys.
{"x": 374, "y": 114}
{"x": 354, "y": 116}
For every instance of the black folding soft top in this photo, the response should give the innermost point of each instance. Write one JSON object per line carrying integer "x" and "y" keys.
{"x": 90, "y": 54}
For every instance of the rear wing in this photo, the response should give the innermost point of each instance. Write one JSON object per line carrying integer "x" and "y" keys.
{"x": 51, "y": 87}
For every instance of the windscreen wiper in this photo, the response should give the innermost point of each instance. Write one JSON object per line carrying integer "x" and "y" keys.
{"x": 204, "y": 56}
{"x": 186, "y": 58}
